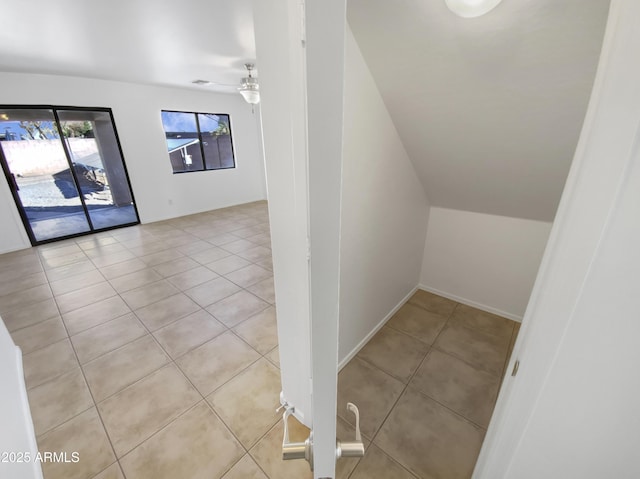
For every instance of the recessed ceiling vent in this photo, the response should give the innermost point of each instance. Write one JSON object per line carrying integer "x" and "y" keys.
{"x": 201, "y": 82}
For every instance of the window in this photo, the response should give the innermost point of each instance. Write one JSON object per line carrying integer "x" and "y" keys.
{"x": 198, "y": 141}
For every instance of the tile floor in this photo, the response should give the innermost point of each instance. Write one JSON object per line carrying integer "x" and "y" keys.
{"x": 152, "y": 351}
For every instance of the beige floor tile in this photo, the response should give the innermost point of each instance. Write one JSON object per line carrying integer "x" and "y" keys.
{"x": 13, "y": 301}
{"x": 377, "y": 465}
{"x": 209, "y": 255}
{"x": 188, "y": 333}
{"x": 482, "y": 350}
{"x": 395, "y": 353}
{"x": 430, "y": 440}
{"x": 166, "y": 311}
{"x": 221, "y": 239}
{"x": 15, "y": 285}
{"x": 228, "y": 264}
{"x": 248, "y": 403}
{"x": 124, "y": 366}
{"x": 111, "y": 472}
{"x": 47, "y": 363}
{"x": 247, "y": 231}
{"x": 105, "y": 250}
{"x": 245, "y": 468}
{"x": 83, "y": 435}
{"x": 431, "y": 302}
{"x": 84, "y": 297}
{"x": 132, "y": 415}
{"x": 466, "y": 390}
{"x": 176, "y": 266}
{"x": 31, "y": 313}
{"x": 135, "y": 280}
{"x": 261, "y": 238}
{"x": 249, "y": 275}
{"x": 148, "y": 247}
{"x": 161, "y": 257}
{"x": 268, "y": 452}
{"x": 94, "y": 314}
{"x": 372, "y": 390}
{"x": 148, "y": 294}
{"x": 19, "y": 267}
{"x": 417, "y": 322}
{"x": 274, "y": 356}
{"x": 266, "y": 263}
{"x": 212, "y": 291}
{"x": 59, "y": 248}
{"x": 258, "y": 253}
{"x": 106, "y": 337}
{"x": 264, "y": 289}
{"x": 70, "y": 270}
{"x": 95, "y": 241}
{"x": 192, "y": 278}
{"x": 194, "y": 246}
{"x": 238, "y": 245}
{"x": 112, "y": 258}
{"x": 215, "y": 362}
{"x": 63, "y": 260}
{"x": 120, "y": 269}
{"x": 197, "y": 445}
{"x": 76, "y": 282}
{"x": 260, "y": 330}
{"x": 39, "y": 335}
{"x": 58, "y": 400}
{"x": 482, "y": 321}
{"x": 236, "y": 308}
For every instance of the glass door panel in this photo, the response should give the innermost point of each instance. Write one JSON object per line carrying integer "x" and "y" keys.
{"x": 102, "y": 178}
{"x": 39, "y": 174}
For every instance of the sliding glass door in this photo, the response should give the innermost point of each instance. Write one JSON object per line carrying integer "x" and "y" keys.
{"x": 66, "y": 170}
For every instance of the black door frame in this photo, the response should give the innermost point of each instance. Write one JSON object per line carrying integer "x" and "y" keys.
{"x": 13, "y": 186}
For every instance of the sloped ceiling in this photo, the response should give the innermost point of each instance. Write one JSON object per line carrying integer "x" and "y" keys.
{"x": 489, "y": 109}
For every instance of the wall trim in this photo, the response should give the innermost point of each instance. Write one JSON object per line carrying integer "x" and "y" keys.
{"x": 473, "y": 304}
{"x": 371, "y": 334}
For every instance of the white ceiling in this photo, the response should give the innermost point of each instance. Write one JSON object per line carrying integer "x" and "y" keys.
{"x": 489, "y": 109}
{"x": 163, "y": 42}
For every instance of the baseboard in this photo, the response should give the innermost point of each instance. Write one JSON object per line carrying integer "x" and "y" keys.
{"x": 471, "y": 303}
{"x": 368, "y": 337}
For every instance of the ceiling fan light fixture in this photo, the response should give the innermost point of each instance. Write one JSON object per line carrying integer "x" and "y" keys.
{"x": 471, "y": 8}
{"x": 249, "y": 88}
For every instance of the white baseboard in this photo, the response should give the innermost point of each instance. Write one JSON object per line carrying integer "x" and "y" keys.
{"x": 471, "y": 303}
{"x": 368, "y": 337}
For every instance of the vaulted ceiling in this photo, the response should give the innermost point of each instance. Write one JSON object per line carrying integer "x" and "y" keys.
{"x": 490, "y": 108}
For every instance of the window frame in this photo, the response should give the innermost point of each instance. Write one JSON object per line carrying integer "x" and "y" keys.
{"x": 200, "y": 141}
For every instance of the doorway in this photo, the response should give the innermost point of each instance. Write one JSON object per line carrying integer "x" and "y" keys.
{"x": 66, "y": 170}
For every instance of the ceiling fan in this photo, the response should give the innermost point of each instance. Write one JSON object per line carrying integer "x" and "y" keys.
{"x": 248, "y": 88}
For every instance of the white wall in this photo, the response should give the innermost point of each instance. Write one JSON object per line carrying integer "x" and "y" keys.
{"x": 572, "y": 409}
{"x": 384, "y": 211}
{"x": 136, "y": 109}
{"x": 16, "y": 426}
{"x": 486, "y": 261}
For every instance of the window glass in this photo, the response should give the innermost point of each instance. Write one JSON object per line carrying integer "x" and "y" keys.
{"x": 198, "y": 141}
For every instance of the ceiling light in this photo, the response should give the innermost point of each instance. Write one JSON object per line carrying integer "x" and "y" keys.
{"x": 249, "y": 88}
{"x": 471, "y": 8}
